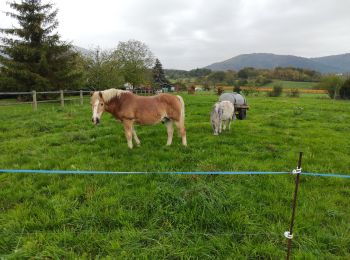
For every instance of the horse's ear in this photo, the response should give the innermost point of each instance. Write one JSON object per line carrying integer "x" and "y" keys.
{"x": 100, "y": 94}
{"x": 91, "y": 93}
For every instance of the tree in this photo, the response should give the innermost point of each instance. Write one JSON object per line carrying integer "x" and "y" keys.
{"x": 134, "y": 60}
{"x": 216, "y": 77}
{"x": 295, "y": 74}
{"x": 158, "y": 75}
{"x": 176, "y": 74}
{"x": 199, "y": 72}
{"x": 262, "y": 80}
{"x": 230, "y": 77}
{"x": 247, "y": 72}
{"x": 33, "y": 55}
{"x": 101, "y": 70}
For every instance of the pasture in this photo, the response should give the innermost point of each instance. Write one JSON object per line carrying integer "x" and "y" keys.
{"x": 176, "y": 216}
{"x": 294, "y": 84}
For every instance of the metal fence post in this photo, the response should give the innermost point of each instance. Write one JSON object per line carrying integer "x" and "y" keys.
{"x": 289, "y": 234}
{"x": 35, "y": 103}
{"x": 81, "y": 97}
{"x": 62, "y": 98}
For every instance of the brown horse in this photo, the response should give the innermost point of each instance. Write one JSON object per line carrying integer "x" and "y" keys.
{"x": 130, "y": 108}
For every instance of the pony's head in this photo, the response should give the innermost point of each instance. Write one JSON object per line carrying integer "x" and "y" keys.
{"x": 97, "y": 105}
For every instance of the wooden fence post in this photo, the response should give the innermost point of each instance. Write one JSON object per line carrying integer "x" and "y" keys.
{"x": 35, "y": 103}
{"x": 81, "y": 97}
{"x": 62, "y": 98}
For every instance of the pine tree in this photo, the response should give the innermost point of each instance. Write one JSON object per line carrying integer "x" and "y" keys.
{"x": 158, "y": 74}
{"x": 33, "y": 57}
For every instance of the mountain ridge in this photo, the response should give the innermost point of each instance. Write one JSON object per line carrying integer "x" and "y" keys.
{"x": 326, "y": 64}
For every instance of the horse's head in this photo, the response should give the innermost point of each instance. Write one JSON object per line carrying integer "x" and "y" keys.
{"x": 97, "y": 105}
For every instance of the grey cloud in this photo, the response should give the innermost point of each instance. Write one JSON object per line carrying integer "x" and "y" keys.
{"x": 187, "y": 34}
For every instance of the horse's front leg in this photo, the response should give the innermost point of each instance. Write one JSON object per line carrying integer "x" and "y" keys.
{"x": 128, "y": 129}
{"x": 137, "y": 140}
{"x": 170, "y": 130}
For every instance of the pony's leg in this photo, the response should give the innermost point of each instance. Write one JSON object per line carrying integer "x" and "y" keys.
{"x": 182, "y": 132}
{"x": 225, "y": 123}
{"x": 229, "y": 124}
{"x": 170, "y": 129}
{"x": 128, "y": 131}
{"x": 220, "y": 127}
{"x": 214, "y": 126}
{"x": 137, "y": 140}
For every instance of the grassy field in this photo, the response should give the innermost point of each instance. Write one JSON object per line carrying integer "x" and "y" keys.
{"x": 175, "y": 216}
{"x": 294, "y": 84}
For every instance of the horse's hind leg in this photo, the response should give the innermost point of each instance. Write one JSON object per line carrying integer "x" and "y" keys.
{"x": 137, "y": 140}
{"x": 170, "y": 131}
{"x": 182, "y": 131}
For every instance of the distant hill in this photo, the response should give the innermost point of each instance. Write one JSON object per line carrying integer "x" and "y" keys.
{"x": 341, "y": 61}
{"x": 329, "y": 64}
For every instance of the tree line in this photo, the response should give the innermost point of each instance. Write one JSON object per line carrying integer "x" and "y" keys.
{"x": 338, "y": 86}
{"x": 246, "y": 76}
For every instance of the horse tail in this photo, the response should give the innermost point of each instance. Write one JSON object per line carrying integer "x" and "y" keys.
{"x": 182, "y": 115}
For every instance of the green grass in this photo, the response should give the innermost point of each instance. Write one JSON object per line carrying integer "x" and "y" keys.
{"x": 294, "y": 84}
{"x": 173, "y": 216}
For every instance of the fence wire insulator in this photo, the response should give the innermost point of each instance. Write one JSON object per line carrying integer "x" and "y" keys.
{"x": 288, "y": 235}
{"x": 296, "y": 171}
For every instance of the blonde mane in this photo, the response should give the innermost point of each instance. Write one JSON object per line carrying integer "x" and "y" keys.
{"x": 108, "y": 94}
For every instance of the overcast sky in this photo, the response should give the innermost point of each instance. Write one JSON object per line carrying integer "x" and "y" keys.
{"x": 185, "y": 34}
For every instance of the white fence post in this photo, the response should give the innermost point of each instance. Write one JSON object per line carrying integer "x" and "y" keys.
{"x": 81, "y": 97}
{"x": 62, "y": 98}
{"x": 35, "y": 103}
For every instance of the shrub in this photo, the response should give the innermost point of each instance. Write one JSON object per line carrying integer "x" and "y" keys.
{"x": 294, "y": 92}
{"x": 262, "y": 80}
{"x": 249, "y": 91}
{"x": 179, "y": 86}
{"x": 276, "y": 91}
{"x": 206, "y": 86}
{"x": 344, "y": 91}
{"x": 237, "y": 89}
{"x": 219, "y": 90}
{"x": 242, "y": 82}
{"x": 333, "y": 84}
{"x": 191, "y": 89}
